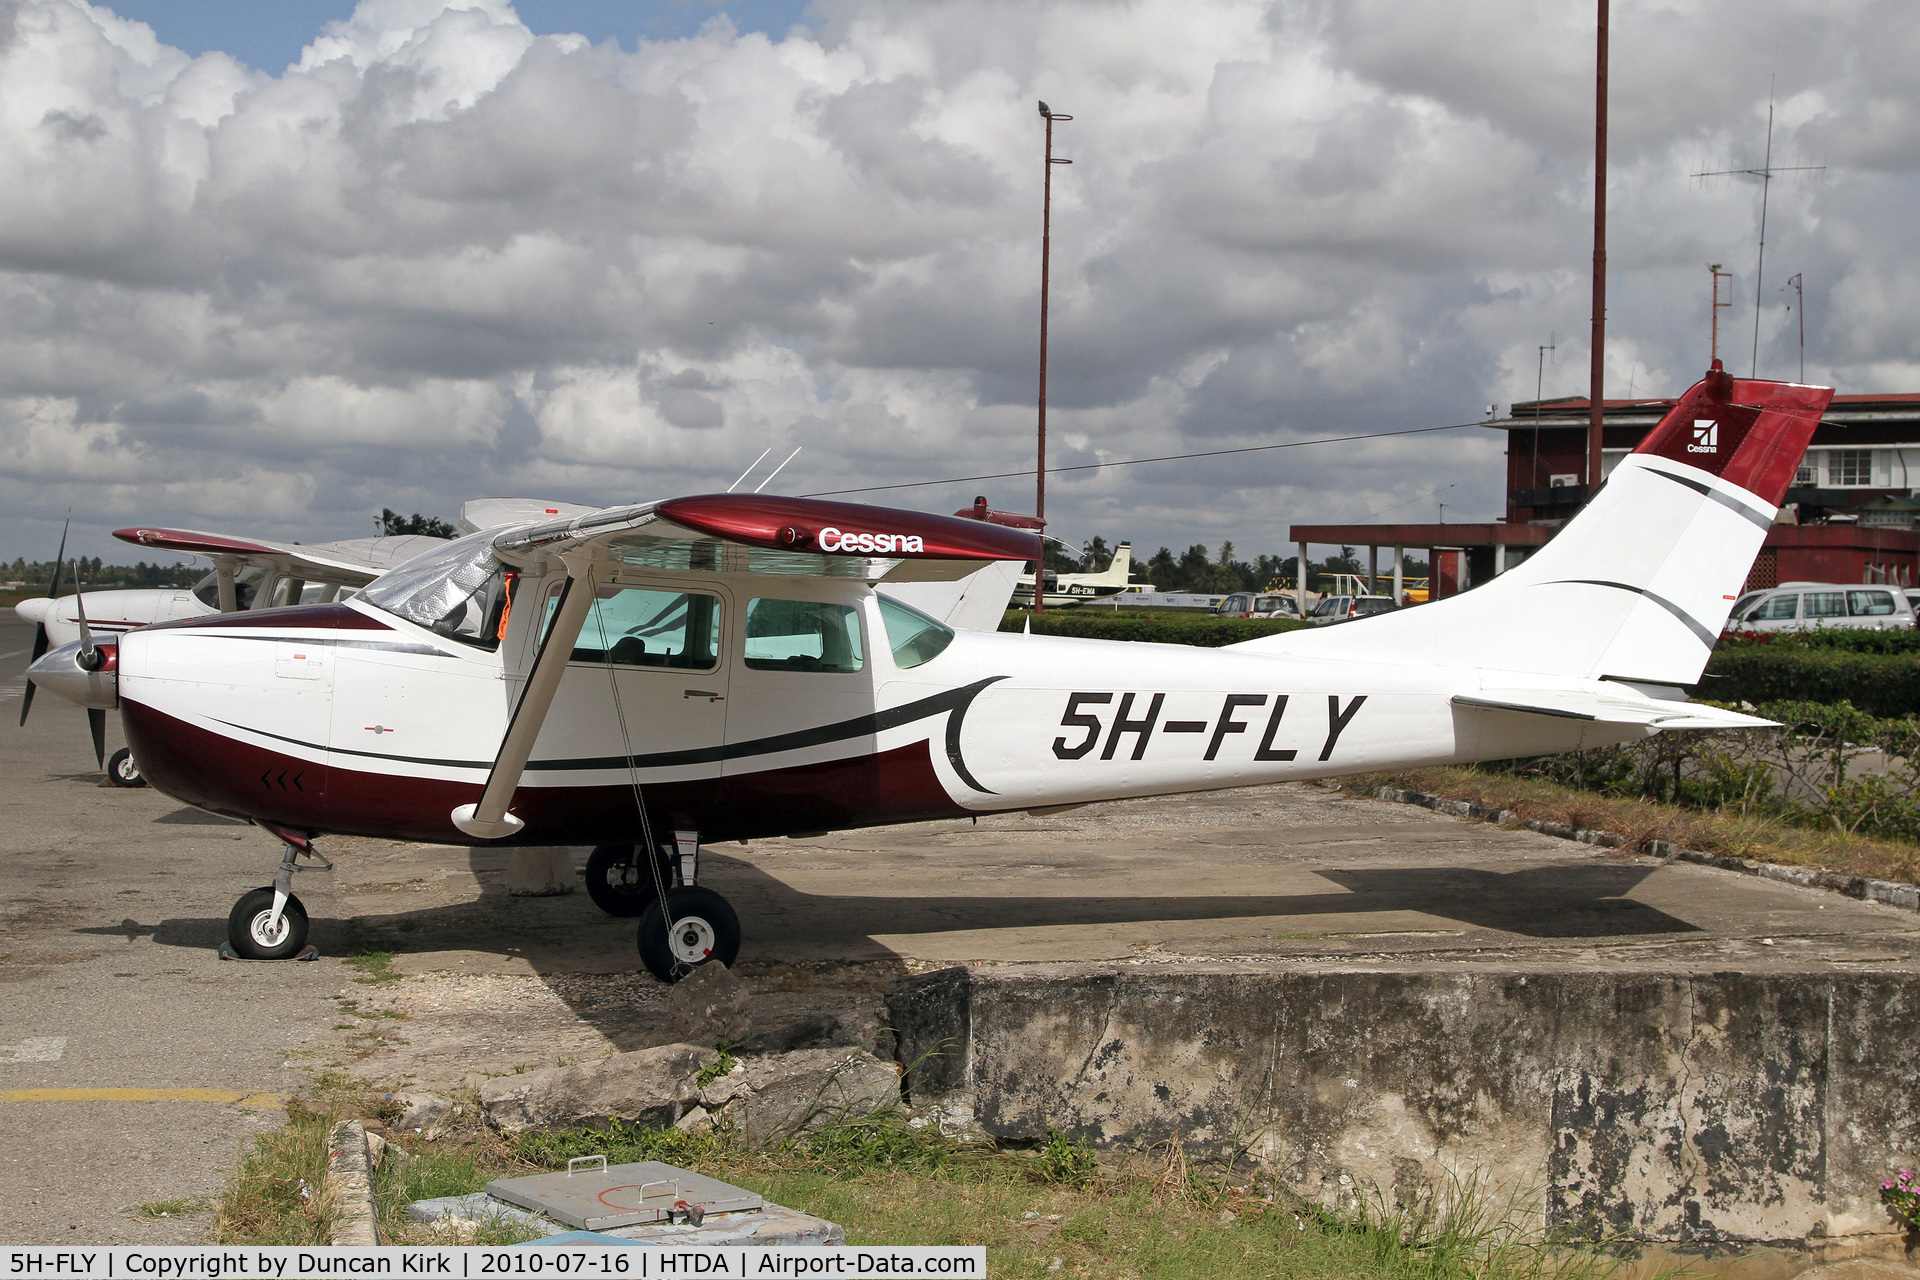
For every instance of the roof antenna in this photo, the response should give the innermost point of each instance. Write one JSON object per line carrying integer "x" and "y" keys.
{"x": 749, "y": 471}
{"x": 1765, "y": 173}
{"x": 777, "y": 470}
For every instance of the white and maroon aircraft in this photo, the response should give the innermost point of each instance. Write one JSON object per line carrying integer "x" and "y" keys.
{"x": 726, "y": 667}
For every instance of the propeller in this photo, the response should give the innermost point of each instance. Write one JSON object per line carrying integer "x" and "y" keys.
{"x": 40, "y": 628}
{"x": 90, "y": 659}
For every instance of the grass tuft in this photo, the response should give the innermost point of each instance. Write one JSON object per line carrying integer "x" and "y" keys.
{"x": 278, "y": 1194}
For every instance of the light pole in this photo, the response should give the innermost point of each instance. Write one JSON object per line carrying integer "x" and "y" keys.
{"x": 1598, "y": 355}
{"x": 1046, "y": 256}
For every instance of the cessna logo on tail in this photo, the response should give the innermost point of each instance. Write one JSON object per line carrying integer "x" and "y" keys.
{"x": 831, "y": 539}
{"x": 1706, "y": 436}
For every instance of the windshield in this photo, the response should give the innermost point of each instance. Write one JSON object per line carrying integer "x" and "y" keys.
{"x": 457, "y": 589}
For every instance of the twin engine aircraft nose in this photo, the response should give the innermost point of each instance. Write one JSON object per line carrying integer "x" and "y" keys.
{"x": 59, "y": 672}
{"x": 35, "y": 608}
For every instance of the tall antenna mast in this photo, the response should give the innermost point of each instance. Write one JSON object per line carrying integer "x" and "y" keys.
{"x": 1765, "y": 173}
{"x": 1046, "y": 255}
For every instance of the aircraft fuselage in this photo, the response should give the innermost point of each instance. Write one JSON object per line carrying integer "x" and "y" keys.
{"x": 342, "y": 718}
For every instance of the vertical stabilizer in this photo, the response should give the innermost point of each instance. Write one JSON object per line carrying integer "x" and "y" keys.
{"x": 1640, "y": 583}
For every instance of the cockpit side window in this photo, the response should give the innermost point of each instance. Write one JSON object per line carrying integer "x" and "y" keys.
{"x": 246, "y": 583}
{"x": 912, "y": 635}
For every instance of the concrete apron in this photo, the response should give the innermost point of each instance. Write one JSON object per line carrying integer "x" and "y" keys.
{"x": 1702, "y": 1107}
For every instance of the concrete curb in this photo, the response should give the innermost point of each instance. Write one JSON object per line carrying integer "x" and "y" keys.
{"x": 350, "y": 1179}
{"x": 1865, "y": 888}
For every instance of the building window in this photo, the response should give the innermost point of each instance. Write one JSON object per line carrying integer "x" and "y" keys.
{"x": 1849, "y": 468}
{"x": 1808, "y": 476}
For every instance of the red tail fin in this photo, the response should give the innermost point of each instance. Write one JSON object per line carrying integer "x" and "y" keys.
{"x": 1746, "y": 431}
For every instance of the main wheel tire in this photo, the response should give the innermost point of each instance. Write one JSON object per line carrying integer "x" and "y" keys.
{"x": 619, "y": 883}
{"x": 704, "y": 929}
{"x": 122, "y": 771}
{"x": 247, "y": 930}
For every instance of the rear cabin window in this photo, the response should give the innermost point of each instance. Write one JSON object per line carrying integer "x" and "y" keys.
{"x": 912, "y": 635}
{"x": 1826, "y": 604}
{"x": 1870, "y": 604}
{"x": 803, "y": 635}
{"x": 644, "y": 627}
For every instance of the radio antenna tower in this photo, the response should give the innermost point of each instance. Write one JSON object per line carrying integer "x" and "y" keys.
{"x": 1765, "y": 173}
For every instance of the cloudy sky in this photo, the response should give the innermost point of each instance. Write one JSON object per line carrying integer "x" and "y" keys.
{"x": 268, "y": 268}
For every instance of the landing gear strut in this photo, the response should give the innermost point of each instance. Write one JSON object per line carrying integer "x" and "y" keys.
{"x": 689, "y": 926}
{"x": 269, "y": 923}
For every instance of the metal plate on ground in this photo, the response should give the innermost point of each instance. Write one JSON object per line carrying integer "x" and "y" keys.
{"x": 596, "y": 1197}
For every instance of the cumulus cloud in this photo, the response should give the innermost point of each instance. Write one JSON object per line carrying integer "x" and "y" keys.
{"x": 444, "y": 256}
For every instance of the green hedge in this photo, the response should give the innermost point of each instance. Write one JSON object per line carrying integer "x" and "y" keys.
{"x": 1881, "y": 684}
{"x": 1199, "y": 629}
{"x": 1826, "y": 640}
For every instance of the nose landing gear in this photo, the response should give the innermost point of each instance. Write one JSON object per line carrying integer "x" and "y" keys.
{"x": 269, "y": 923}
{"x": 689, "y": 926}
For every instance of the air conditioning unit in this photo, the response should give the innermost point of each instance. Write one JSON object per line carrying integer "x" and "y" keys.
{"x": 1561, "y": 482}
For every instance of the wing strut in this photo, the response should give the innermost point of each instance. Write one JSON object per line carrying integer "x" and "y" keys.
{"x": 489, "y": 819}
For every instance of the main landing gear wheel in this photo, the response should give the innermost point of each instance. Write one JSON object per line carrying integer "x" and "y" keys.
{"x": 248, "y": 928}
{"x": 122, "y": 771}
{"x": 704, "y": 928}
{"x": 619, "y": 883}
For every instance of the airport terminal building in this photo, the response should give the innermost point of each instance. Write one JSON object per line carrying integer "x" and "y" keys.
{"x": 1849, "y": 517}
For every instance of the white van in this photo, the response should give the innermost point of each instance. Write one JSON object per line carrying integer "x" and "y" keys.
{"x": 1802, "y": 606}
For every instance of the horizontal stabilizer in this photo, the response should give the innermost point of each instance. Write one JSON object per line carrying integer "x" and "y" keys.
{"x": 1577, "y": 704}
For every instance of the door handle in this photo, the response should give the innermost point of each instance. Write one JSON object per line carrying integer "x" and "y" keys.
{"x": 708, "y": 694}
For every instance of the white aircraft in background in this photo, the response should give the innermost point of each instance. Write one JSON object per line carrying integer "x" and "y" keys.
{"x": 248, "y": 573}
{"x": 645, "y": 678}
{"x": 1066, "y": 590}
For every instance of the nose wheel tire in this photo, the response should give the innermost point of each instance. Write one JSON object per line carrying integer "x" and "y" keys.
{"x": 248, "y": 928}
{"x": 703, "y": 929}
{"x": 619, "y": 883}
{"x": 122, "y": 771}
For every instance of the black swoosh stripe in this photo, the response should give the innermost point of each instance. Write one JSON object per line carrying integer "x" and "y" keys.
{"x": 1706, "y": 637}
{"x": 1726, "y": 500}
{"x": 956, "y": 701}
{"x": 384, "y": 646}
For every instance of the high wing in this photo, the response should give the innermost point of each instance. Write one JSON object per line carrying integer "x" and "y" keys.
{"x": 492, "y": 513}
{"x": 354, "y": 562}
{"x": 793, "y": 537}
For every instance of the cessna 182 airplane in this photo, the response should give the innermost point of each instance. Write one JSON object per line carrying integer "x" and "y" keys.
{"x": 645, "y": 678}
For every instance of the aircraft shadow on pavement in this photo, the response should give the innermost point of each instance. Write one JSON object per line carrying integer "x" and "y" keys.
{"x": 197, "y": 818}
{"x": 1560, "y": 902}
{"x": 567, "y": 935}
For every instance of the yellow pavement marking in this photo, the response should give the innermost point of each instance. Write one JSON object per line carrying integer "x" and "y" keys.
{"x": 239, "y": 1097}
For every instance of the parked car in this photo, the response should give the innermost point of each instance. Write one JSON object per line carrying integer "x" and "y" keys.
{"x": 1804, "y": 606}
{"x": 1266, "y": 605}
{"x": 1332, "y": 609}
